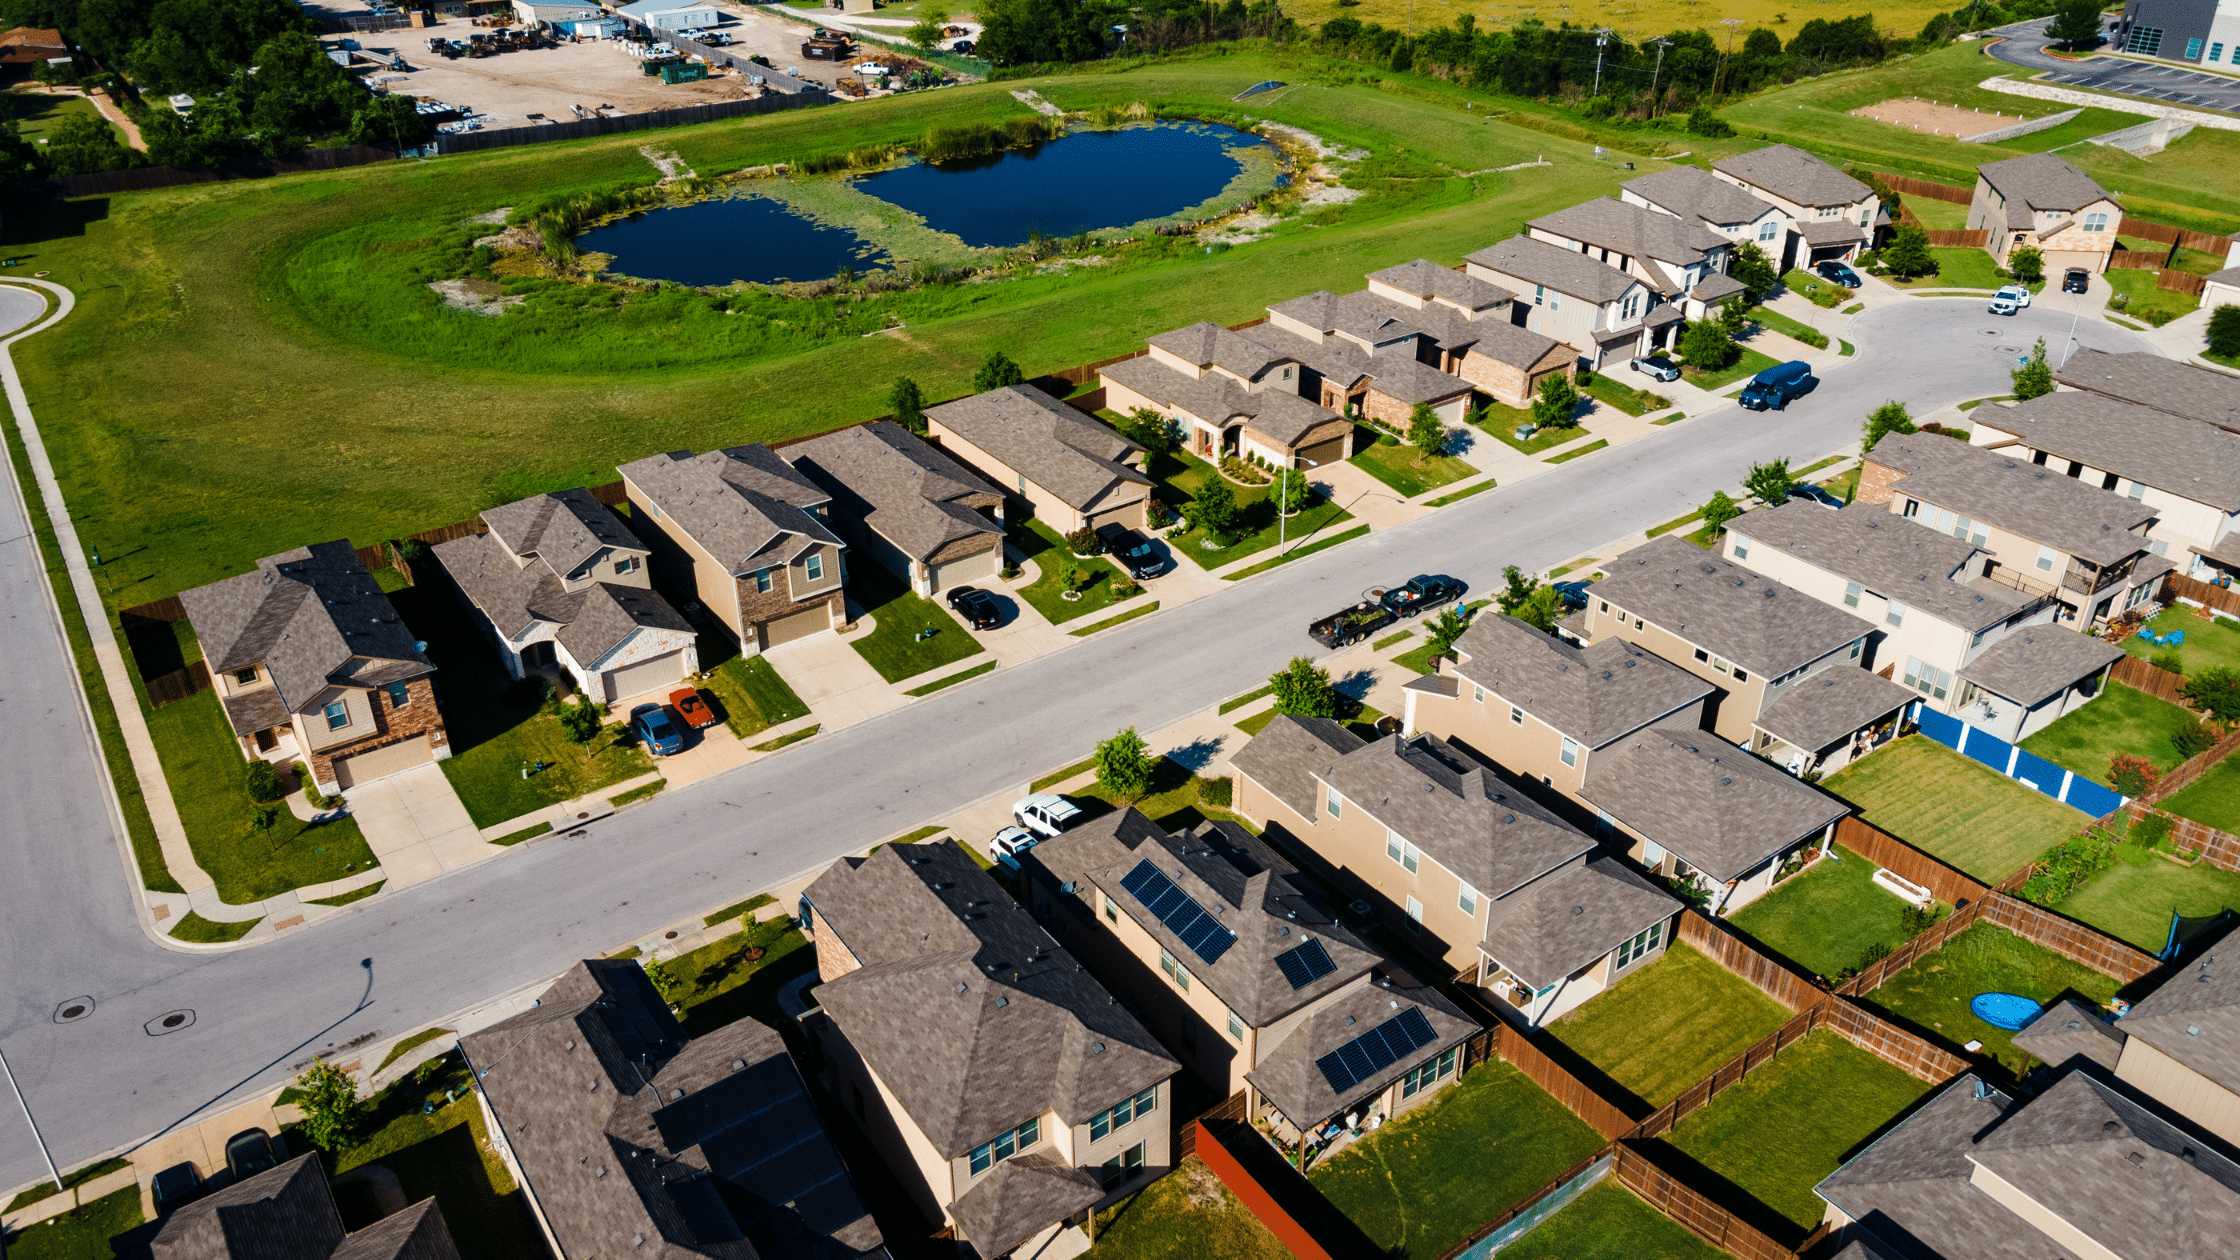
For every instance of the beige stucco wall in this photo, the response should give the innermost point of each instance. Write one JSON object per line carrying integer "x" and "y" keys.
{"x": 1739, "y": 702}
{"x": 1047, "y": 507}
{"x": 686, "y": 563}
{"x": 2047, "y": 1219}
{"x": 1479, "y": 719}
{"x": 2179, "y": 522}
{"x": 2180, "y": 1088}
{"x": 1354, "y": 843}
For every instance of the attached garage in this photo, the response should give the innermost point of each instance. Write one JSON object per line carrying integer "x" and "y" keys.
{"x": 380, "y": 763}
{"x": 1325, "y": 453}
{"x": 643, "y": 676}
{"x": 979, "y": 567}
{"x": 798, "y": 625}
{"x": 1128, "y": 514}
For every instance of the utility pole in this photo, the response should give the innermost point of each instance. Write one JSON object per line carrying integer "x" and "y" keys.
{"x": 1601, "y": 38}
{"x": 1732, "y": 25}
{"x": 17, "y": 1090}
{"x": 1662, "y": 43}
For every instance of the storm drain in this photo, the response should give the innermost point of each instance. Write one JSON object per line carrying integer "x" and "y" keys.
{"x": 169, "y": 1023}
{"x": 72, "y": 1011}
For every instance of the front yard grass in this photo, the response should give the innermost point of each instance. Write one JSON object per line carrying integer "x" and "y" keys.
{"x": 1409, "y": 470}
{"x": 2214, "y": 798}
{"x": 1626, "y": 398}
{"x": 1667, "y": 1025}
{"x": 748, "y": 689}
{"x": 1541, "y": 439}
{"x": 1181, "y": 476}
{"x": 1825, "y": 294}
{"x": 1792, "y": 1122}
{"x": 1958, "y": 267}
{"x": 1038, "y": 542}
{"x": 2122, "y": 720}
{"x": 1824, "y": 917}
{"x": 722, "y": 985}
{"x": 1794, "y": 329}
{"x": 2148, "y": 301}
{"x": 1748, "y": 364}
{"x": 2209, "y": 641}
{"x": 1931, "y": 996}
{"x": 1608, "y": 1222}
{"x": 2134, "y": 899}
{"x": 1184, "y": 1215}
{"x": 1945, "y": 804}
{"x": 197, "y": 930}
{"x": 893, "y": 647}
{"x": 86, "y": 1234}
{"x": 1421, "y": 1183}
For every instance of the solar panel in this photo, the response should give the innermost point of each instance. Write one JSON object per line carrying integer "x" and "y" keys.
{"x": 1305, "y": 964}
{"x": 1201, "y": 933}
{"x": 766, "y": 1146}
{"x": 1375, "y": 1050}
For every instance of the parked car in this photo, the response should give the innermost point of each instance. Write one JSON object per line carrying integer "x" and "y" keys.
{"x": 655, "y": 729}
{"x": 979, "y": 609}
{"x": 2075, "y": 280}
{"x": 1573, "y": 594}
{"x": 1046, "y": 814}
{"x": 1132, "y": 550}
{"x": 250, "y": 1152}
{"x": 1830, "y": 269}
{"x": 1351, "y": 624}
{"x": 175, "y": 1187}
{"x": 2003, "y": 306}
{"x": 1421, "y": 593}
{"x": 1814, "y": 494}
{"x": 693, "y": 710}
{"x": 2014, "y": 293}
{"x": 1656, "y": 367}
{"x": 962, "y": 46}
{"x": 1774, "y": 387}
{"x": 1010, "y": 843}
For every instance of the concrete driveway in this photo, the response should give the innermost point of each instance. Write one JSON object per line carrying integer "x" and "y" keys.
{"x": 414, "y": 822}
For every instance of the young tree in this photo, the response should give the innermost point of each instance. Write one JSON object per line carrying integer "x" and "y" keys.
{"x": 1290, "y": 492}
{"x": 1909, "y": 254}
{"x": 927, "y": 33}
{"x": 1528, "y": 599}
{"x": 1770, "y": 482}
{"x": 996, "y": 372}
{"x": 2076, "y": 23}
{"x": 581, "y": 721}
{"x": 2216, "y": 691}
{"x": 1426, "y": 431}
{"x": 908, "y": 405}
{"x": 2033, "y": 379}
{"x": 1891, "y": 417}
{"x": 1707, "y": 347}
{"x": 2224, "y": 331}
{"x": 1719, "y": 511}
{"x": 1446, "y": 630}
{"x": 1753, "y": 270}
{"x": 2027, "y": 264}
{"x": 1214, "y": 510}
{"x": 1152, "y": 431}
{"x": 1557, "y": 407}
{"x": 667, "y": 983}
{"x": 329, "y": 1099}
{"x": 1303, "y": 690}
{"x": 1124, "y": 766}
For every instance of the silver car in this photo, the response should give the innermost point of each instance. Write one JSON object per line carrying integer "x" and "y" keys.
{"x": 1656, "y": 368}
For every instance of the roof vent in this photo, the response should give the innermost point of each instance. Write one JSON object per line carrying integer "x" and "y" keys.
{"x": 2110, "y": 1127}
{"x": 602, "y": 1171}
{"x": 1578, "y": 909}
{"x": 1098, "y": 1048}
{"x": 1394, "y": 1004}
{"x": 1284, "y": 931}
{"x": 2136, "y": 1159}
{"x": 1563, "y": 669}
{"x": 2186, "y": 1154}
{"x": 939, "y": 886}
{"x": 570, "y": 1046}
{"x": 2193, "y": 1030}
{"x": 1629, "y": 662}
{"x": 1003, "y": 1001}
{"x": 962, "y": 986}
{"x": 1606, "y": 673}
{"x": 1429, "y": 788}
{"x": 637, "y": 1240}
{"x": 1349, "y": 1021}
{"x": 1508, "y": 818}
{"x": 591, "y": 1086}
{"x": 1726, "y": 783}
{"x": 676, "y": 1095}
{"x": 738, "y": 1065}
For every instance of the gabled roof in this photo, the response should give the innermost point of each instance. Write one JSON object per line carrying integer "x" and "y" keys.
{"x": 965, "y": 1008}
{"x": 284, "y": 1211}
{"x": 1909, "y": 1188}
{"x": 2182, "y": 389}
{"x": 1427, "y": 281}
{"x": 1716, "y": 285}
{"x": 1360, "y": 314}
{"x": 1289, "y": 1073}
{"x": 2190, "y": 458}
{"x": 1725, "y": 608}
{"x": 1285, "y": 755}
{"x": 744, "y": 505}
{"x": 1274, "y": 410}
{"x": 1593, "y": 694}
{"x": 1490, "y": 335}
{"x": 1821, "y": 708}
{"x": 2034, "y": 662}
{"x": 593, "y": 620}
{"x": 1394, "y": 370}
{"x": 563, "y": 529}
{"x": 1720, "y": 809}
{"x": 1047, "y": 442}
{"x": 1020, "y": 1197}
{"x": 1790, "y": 172}
{"x": 313, "y": 616}
{"x": 1888, "y": 555}
{"x": 1834, "y": 232}
{"x": 417, "y": 1233}
{"x": 900, "y": 485}
{"x": 2044, "y": 182}
{"x": 2070, "y": 1030}
{"x": 1637, "y": 231}
{"x": 2194, "y": 1016}
{"x": 2013, "y": 494}
{"x": 1206, "y": 344}
{"x": 1571, "y": 918}
{"x": 1695, "y": 192}
{"x": 1567, "y": 271}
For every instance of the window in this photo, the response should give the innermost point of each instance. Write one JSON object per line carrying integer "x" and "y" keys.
{"x": 400, "y": 695}
{"x": 1631, "y": 308}
{"x": 1895, "y": 614}
{"x": 1111, "y": 910}
{"x": 627, "y": 564}
{"x": 1857, "y": 645}
{"x": 1720, "y": 665}
{"x": 1122, "y": 1112}
{"x": 248, "y": 675}
{"x": 1928, "y": 679}
{"x": 1429, "y": 1073}
{"x": 1337, "y": 805}
{"x": 1415, "y": 915}
{"x": 1767, "y": 229}
{"x": 1122, "y": 1168}
{"x": 1976, "y": 640}
{"x": 989, "y": 1154}
{"x": 1466, "y": 900}
{"x": 2216, "y": 52}
{"x": 1641, "y": 943}
{"x": 2096, "y": 223}
{"x": 1236, "y": 1027}
{"x": 762, "y": 582}
{"x": 1826, "y": 212}
{"x": 1287, "y": 374}
{"x": 1741, "y": 549}
{"x": 1539, "y": 295}
{"x": 2193, "y": 50}
{"x": 1851, "y": 591}
{"x": 1606, "y": 607}
{"x": 1702, "y": 655}
{"x": 2160, "y": 547}
{"x": 338, "y": 715}
{"x": 1478, "y": 694}
{"x": 1570, "y": 752}
{"x": 1401, "y": 851}
{"x": 1913, "y": 509}
{"x": 1741, "y": 674}
{"x": 814, "y": 566}
{"x": 2146, "y": 40}
{"x": 2046, "y": 557}
{"x": 1175, "y": 971}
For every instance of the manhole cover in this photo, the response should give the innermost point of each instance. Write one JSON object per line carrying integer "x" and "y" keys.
{"x": 75, "y": 1009}
{"x": 170, "y": 1023}
{"x": 1988, "y": 332}
{"x": 669, "y": 936}
{"x": 584, "y": 815}
{"x": 2008, "y": 349}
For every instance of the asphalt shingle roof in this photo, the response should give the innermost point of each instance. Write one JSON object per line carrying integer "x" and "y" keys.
{"x": 1394, "y": 371}
{"x": 1790, "y": 172}
{"x": 1428, "y": 281}
{"x": 417, "y": 1233}
{"x": 1695, "y": 192}
{"x": 2034, "y": 662}
{"x": 1910, "y": 1186}
{"x": 2069, "y": 1029}
{"x": 1887, "y": 554}
{"x": 2190, "y": 458}
{"x": 1567, "y": 271}
{"x": 1489, "y": 334}
{"x": 900, "y": 485}
{"x": 593, "y": 620}
{"x": 2204, "y": 997}
{"x": 1720, "y": 809}
{"x": 2013, "y": 494}
{"x": 1287, "y": 1075}
{"x": 1019, "y": 1197}
{"x": 1819, "y": 709}
{"x": 1636, "y": 231}
{"x": 1284, "y": 756}
{"x": 565, "y": 529}
{"x": 279, "y": 1214}
{"x": 1274, "y": 410}
{"x": 1571, "y": 918}
{"x": 1360, "y": 314}
{"x": 2044, "y": 182}
{"x": 1593, "y": 694}
{"x": 1047, "y": 442}
{"x": 2182, "y": 389}
{"x": 745, "y": 505}
{"x": 1724, "y": 607}
{"x": 1206, "y": 344}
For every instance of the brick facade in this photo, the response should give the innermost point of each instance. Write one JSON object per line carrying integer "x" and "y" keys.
{"x": 1876, "y": 482}
{"x": 419, "y": 718}
{"x": 1510, "y": 385}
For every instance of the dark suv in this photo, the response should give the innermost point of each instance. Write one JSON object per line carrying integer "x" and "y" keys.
{"x": 2075, "y": 280}
{"x": 1773, "y": 388}
{"x": 1133, "y": 550}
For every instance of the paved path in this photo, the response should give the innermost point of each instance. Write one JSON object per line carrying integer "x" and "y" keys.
{"x": 2025, "y": 45}
{"x": 401, "y": 961}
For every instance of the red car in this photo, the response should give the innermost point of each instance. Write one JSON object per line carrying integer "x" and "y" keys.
{"x": 692, "y": 708}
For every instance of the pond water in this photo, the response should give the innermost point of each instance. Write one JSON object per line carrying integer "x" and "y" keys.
{"x": 1076, "y": 183}
{"x": 716, "y": 242}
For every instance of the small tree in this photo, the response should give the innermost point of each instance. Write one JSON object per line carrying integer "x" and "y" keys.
{"x": 667, "y": 983}
{"x": 908, "y": 403}
{"x": 1152, "y": 431}
{"x": 580, "y": 721}
{"x": 264, "y": 781}
{"x": 263, "y": 823}
{"x": 1516, "y": 589}
{"x": 1909, "y": 254}
{"x": 2027, "y": 264}
{"x": 1753, "y": 270}
{"x": 2193, "y": 739}
{"x": 1426, "y": 431}
{"x": 1446, "y": 630}
{"x": 2033, "y": 378}
{"x": 329, "y": 1100}
{"x": 1124, "y": 766}
{"x": 2216, "y": 691}
{"x": 1214, "y": 510}
{"x": 1707, "y": 347}
{"x": 1719, "y": 511}
{"x": 1557, "y": 406}
{"x": 1290, "y": 493}
{"x": 1541, "y": 609}
{"x": 2224, "y": 332}
{"x": 997, "y": 371}
{"x": 2131, "y": 775}
{"x": 1891, "y": 417}
{"x": 1770, "y": 482}
{"x": 1303, "y": 689}
{"x": 2076, "y": 23}
{"x": 926, "y": 34}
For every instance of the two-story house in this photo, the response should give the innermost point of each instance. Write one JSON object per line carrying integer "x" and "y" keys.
{"x": 561, "y": 584}
{"x": 899, "y": 500}
{"x": 289, "y": 1213}
{"x": 1068, "y": 470}
{"x": 1362, "y": 357}
{"x": 1464, "y": 861}
{"x": 2047, "y": 533}
{"x": 1006, "y": 1090}
{"x": 312, "y": 664}
{"x": 1471, "y": 334}
{"x": 1695, "y": 194}
{"x": 2152, "y": 380}
{"x": 2044, "y": 201}
{"x": 1232, "y": 396}
{"x": 1969, "y": 645}
{"x": 1683, "y": 262}
{"x": 1773, "y": 653}
{"x": 1830, "y": 215}
{"x": 2186, "y": 471}
{"x": 1236, "y": 961}
{"x": 2181, "y": 1043}
{"x": 1586, "y": 303}
{"x": 748, "y": 535}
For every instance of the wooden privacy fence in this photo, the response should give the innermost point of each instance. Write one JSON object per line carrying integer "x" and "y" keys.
{"x": 1870, "y": 978}
{"x": 1907, "y": 186}
{"x": 1735, "y": 954}
{"x": 2168, "y": 235}
{"x": 1518, "y": 1051}
{"x": 1186, "y": 1131}
{"x": 2185, "y": 772}
{"x": 166, "y": 609}
{"x": 178, "y": 684}
{"x": 2177, "y": 586}
{"x": 1706, "y": 1219}
{"x": 2180, "y": 281}
{"x": 2139, "y": 259}
{"x": 1275, "y": 1192}
{"x": 2068, "y": 937}
{"x": 2140, "y": 675}
{"x": 1885, "y": 850}
{"x": 2218, "y": 848}
{"x": 1975, "y": 237}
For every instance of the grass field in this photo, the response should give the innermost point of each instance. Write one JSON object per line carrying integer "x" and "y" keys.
{"x": 748, "y": 689}
{"x": 722, "y": 984}
{"x": 1937, "y": 800}
{"x": 1932, "y": 995}
{"x": 2122, "y": 720}
{"x": 1824, "y": 918}
{"x": 1183, "y": 1216}
{"x": 2134, "y": 899}
{"x": 2146, "y": 300}
{"x": 2209, "y": 642}
{"x": 1666, "y": 1026}
{"x": 1410, "y": 471}
{"x": 1958, "y": 267}
{"x": 84, "y": 1234}
{"x": 1098, "y": 589}
{"x": 2214, "y": 798}
{"x": 1607, "y": 1222}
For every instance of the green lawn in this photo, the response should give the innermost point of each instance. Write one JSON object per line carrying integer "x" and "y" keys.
{"x": 2121, "y": 720}
{"x": 2209, "y": 641}
{"x": 1607, "y": 1222}
{"x": 1794, "y": 329}
{"x": 2133, "y": 899}
{"x": 1824, "y": 918}
{"x": 1178, "y": 798}
{"x": 38, "y": 113}
{"x": 1630, "y": 399}
{"x": 1410, "y": 471}
{"x": 1181, "y": 475}
{"x": 723, "y": 985}
{"x": 1666, "y": 1026}
{"x": 1424, "y": 1181}
{"x": 2148, "y": 301}
{"x": 197, "y": 930}
{"x": 1541, "y": 439}
{"x": 1576, "y": 451}
{"x": 1958, "y": 267}
{"x": 1185, "y": 1215}
{"x": 1942, "y": 216}
{"x": 1041, "y": 544}
{"x": 892, "y": 646}
{"x": 2214, "y": 798}
{"x": 1822, "y": 293}
{"x": 85, "y": 1235}
{"x": 1967, "y": 816}
{"x": 1748, "y": 364}
{"x": 1931, "y": 996}
{"x": 1792, "y": 1122}
{"x": 750, "y": 695}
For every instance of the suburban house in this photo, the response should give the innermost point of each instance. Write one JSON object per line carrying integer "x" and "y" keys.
{"x": 2186, "y": 471}
{"x": 1363, "y": 358}
{"x": 2150, "y": 380}
{"x": 1693, "y": 193}
{"x": 1235, "y": 959}
{"x": 897, "y": 499}
{"x": 24, "y": 49}
{"x": 1969, "y": 645}
{"x": 1008, "y": 1092}
{"x": 2043, "y": 201}
{"x": 1231, "y": 396}
{"x": 1683, "y": 262}
{"x": 312, "y": 664}
{"x": 1072, "y": 472}
{"x": 560, "y": 584}
{"x": 2047, "y": 534}
{"x": 1447, "y": 850}
{"x": 1770, "y": 651}
{"x": 289, "y": 1212}
{"x": 748, "y": 535}
{"x": 2181, "y": 1043}
{"x": 1829, "y": 214}
{"x": 1471, "y": 336}
{"x": 630, "y": 1139}
{"x": 1589, "y": 305}
{"x": 2081, "y": 1169}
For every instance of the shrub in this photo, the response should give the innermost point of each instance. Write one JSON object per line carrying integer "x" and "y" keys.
{"x": 1909, "y": 254}
{"x": 2170, "y": 662}
{"x": 1124, "y": 766}
{"x": 1303, "y": 689}
{"x": 997, "y": 371}
{"x": 2131, "y": 775}
{"x": 1386, "y": 439}
{"x": 1707, "y": 347}
{"x": 2224, "y": 332}
{"x": 329, "y": 1099}
{"x": 1719, "y": 511}
{"x": 581, "y": 722}
{"x": 1084, "y": 542}
{"x": 1215, "y": 792}
{"x": 2152, "y": 831}
{"x": 1918, "y": 919}
{"x": 311, "y": 793}
{"x": 1156, "y": 515}
{"x": 908, "y": 404}
{"x": 1214, "y": 510}
{"x": 2066, "y": 867}
{"x": 2034, "y": 377}
{"x": 2216, "y": 691}
{"x": 1703, "y": 122}
{"x": 1891, "y": 417}
{"x": 1873, "y": 954}
{"x": 2028, "y": 265}
{"x": 2193, "y": 739}
{"x": 264, "y": 781}
{"x": 667, "y": 983}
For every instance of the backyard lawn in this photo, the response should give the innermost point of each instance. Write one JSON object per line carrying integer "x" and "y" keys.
{"x": 2122, "y": 720}
{"x": 2134, "y": 899}
{"x": 1098, "y": 584}
{"x": 1940, "y": 801}
{"x": 2209, "y": 641}
{"x": 1607, "y": 1222}
{"x": 721, "y": 985}
{"x": 1185, "y": 1215}
{"x": 1410, "y": 471}
{"x": 1421, "y": 1183}
{"x": 748, "y": 690}
{"x": 2214, "y": 798}
{"x": 1824, "y": 918}
{"x": 1792, "y": 1122}
{"x": 1666, "y": 1026}
{"x": 1931, "y": 997}
{"x": 2149, "y": 301}
{"x": 1181, "y": 475}
{"x": 1748, "y": 364}
{"x": 900, "y": 614}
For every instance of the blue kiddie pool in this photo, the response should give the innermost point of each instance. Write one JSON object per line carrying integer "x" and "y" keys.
{"x": 2004, "y": 1010}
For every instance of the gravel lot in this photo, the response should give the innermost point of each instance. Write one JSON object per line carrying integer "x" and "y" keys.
{"x": 513, "y": 89}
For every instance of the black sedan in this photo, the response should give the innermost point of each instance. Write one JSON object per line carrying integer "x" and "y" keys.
{"x": 1421, "y": 593}
{"x": 979, "y": 609}
{"x": 175, "y": 1187}
{"x": 1830, "y": 269}
{"x": 1133, "y": 550}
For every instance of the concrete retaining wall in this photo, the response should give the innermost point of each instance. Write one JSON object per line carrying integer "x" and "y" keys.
{"x": 2022, "y": 128}
{"x": 2126, "y": 104}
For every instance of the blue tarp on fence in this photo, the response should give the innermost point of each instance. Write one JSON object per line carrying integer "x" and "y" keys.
{"x": 2026, "y": 768}
{"x": 1532, "y": 1217}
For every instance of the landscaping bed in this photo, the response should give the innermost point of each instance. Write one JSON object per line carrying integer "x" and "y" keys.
{"x": 1825, "y": 917}
{"x": 1931, "y": 997}
{"x": 1180, "y": 476}
{"x": 1099, "y": 585}
{"x": 1608, "y": 1222}
{"x": 1667, "y": 1025}
{"x": 892, "y": 646}
{"x": 1945, "y": 804}
{"x": 1186, "y": 1215}
{"x": 2121, "y": 721}
{"x": 2133, "y": 899}
{"x": 1409, "y": 470}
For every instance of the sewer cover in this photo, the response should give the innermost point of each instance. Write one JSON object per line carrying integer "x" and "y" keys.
{"x": 72, "y": 1011}
{"x": 169, "y": 1023}
{"x": 2008, "y": 349}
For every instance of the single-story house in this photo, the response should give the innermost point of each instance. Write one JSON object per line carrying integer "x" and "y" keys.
{"x": 1071, "y": 472}
{"x": 923, "y": 516}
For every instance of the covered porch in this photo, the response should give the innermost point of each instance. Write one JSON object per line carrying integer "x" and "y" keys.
{"x": 1823, "y": 722}
{"x": 2027, "y": 680}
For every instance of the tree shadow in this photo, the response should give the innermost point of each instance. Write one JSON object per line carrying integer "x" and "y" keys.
{"x": 1198, "y": 753}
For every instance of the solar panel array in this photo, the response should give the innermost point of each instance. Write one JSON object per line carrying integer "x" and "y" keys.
{"x": 1304, "y": 964}
{"x": 1201, "y": 932}
{"x": 1375, "y": 1050}
{"x": 766, "y": 1147}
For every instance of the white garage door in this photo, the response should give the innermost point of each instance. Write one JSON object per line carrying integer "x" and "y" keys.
{"x": 644, "y": 676}
{"x": 382, "y": 762}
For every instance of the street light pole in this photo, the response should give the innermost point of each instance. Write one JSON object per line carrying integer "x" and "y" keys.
{"x": 44, "y": 1154}
{"x": 1283, "y": 502}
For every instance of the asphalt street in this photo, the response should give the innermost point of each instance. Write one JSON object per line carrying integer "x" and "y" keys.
{"x": 2025, "y": 45}
{"x": 398, "y": 962}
